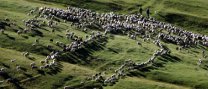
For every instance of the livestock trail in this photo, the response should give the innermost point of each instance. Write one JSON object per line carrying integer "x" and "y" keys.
{"x": 56, "y": 44}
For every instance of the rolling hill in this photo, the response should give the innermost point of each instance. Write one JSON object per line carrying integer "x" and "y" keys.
{"x": 178, "y": 70}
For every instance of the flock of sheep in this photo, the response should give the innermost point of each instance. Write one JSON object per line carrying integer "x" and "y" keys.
{"x": 134, "y": 26}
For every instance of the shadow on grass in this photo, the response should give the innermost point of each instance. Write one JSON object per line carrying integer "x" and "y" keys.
{"x": 5, "y": 65}
{"x": 204, "y": 64}
{"x": 31, "y": 58}
{"x": 160, "y": 63}
{"x": 3, "y": 24}
{"x": 10, "y": 37}
{"x": 11, "y": 80}
{"x": 35, "y": 33}
{"x": 84, "y": 55}
{"x": 53, "y": 70}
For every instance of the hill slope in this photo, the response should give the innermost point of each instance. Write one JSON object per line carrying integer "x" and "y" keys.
{"x": 176, "y": 71}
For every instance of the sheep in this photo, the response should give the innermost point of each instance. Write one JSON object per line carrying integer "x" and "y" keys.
{"x": 106, "y": 22}
{"x": 106, "y": 81}
{"x": 13, "y": 60}
{"x": 37, "y": 40}
{"x": 2, "y": 81}
{"x": 2, "y": 31}
{"x": 32, "y": 64}
{"x": 54, "y": 61}
{"x": 49, "y": 47}
{"x": 48, "y": 57}
{"x": 51, "y": 64}
{"x": 148, "y": 39}
{"x": 46, "y": 65}
{"x": 19, "y": 32}
{"x": 57, "y": 43}
{"x": 139, "y": 43}
{"x": 26, "y": 54}
{"x": 34, "y": 44}
{"x": 67, "y": 87}
{"x": 33, "y": 67}
{"x": 9, "y": 80}
{"x": 46, "y": 60}
{"x": 199, "y": 61}
{"x": 6, "y": 19}
{"x": 85, "y": 29}
{"x": 18, "y": 68}
{"x": 2, "y": 69}
{"x": 42, "y": 67}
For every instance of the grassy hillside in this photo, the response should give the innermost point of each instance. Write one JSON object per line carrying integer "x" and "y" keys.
{"x": 179, "y": 70}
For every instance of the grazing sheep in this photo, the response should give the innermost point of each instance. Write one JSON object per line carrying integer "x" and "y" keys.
{"x": 67, "y": 87}
{"x": 19, "y": 32}
{"x": 2, "y": 81}
{"x": 32, "y": 64}
{"x": 18, "y": 68}
{"x": 85, "y": 29}
{"x": 2, "y": 31}
{"x": 139, "y": 43}
{"x": 34, "y": 44}
{"x": 42, "y": 67}
{"x": 54, "y": 61}
{"x": 57, "y": 43}
{"x": 46, "y": 66}
{"x": 2, "y": 69}
{"x": 37, "y": 40}
{"x": 199, "y": 61}
{"x": 33, "y": 67}
{"x": 6, "y": 19}
{"x": 51, "y": 64}
{"x": 26, "y": 54}
{"x": 9, "y": 80}
{"x": 13, "y": 60}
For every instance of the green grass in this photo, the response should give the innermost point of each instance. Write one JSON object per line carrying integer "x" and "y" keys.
{"x": 178, "y": 70}
{"x": 141, "y": 83}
